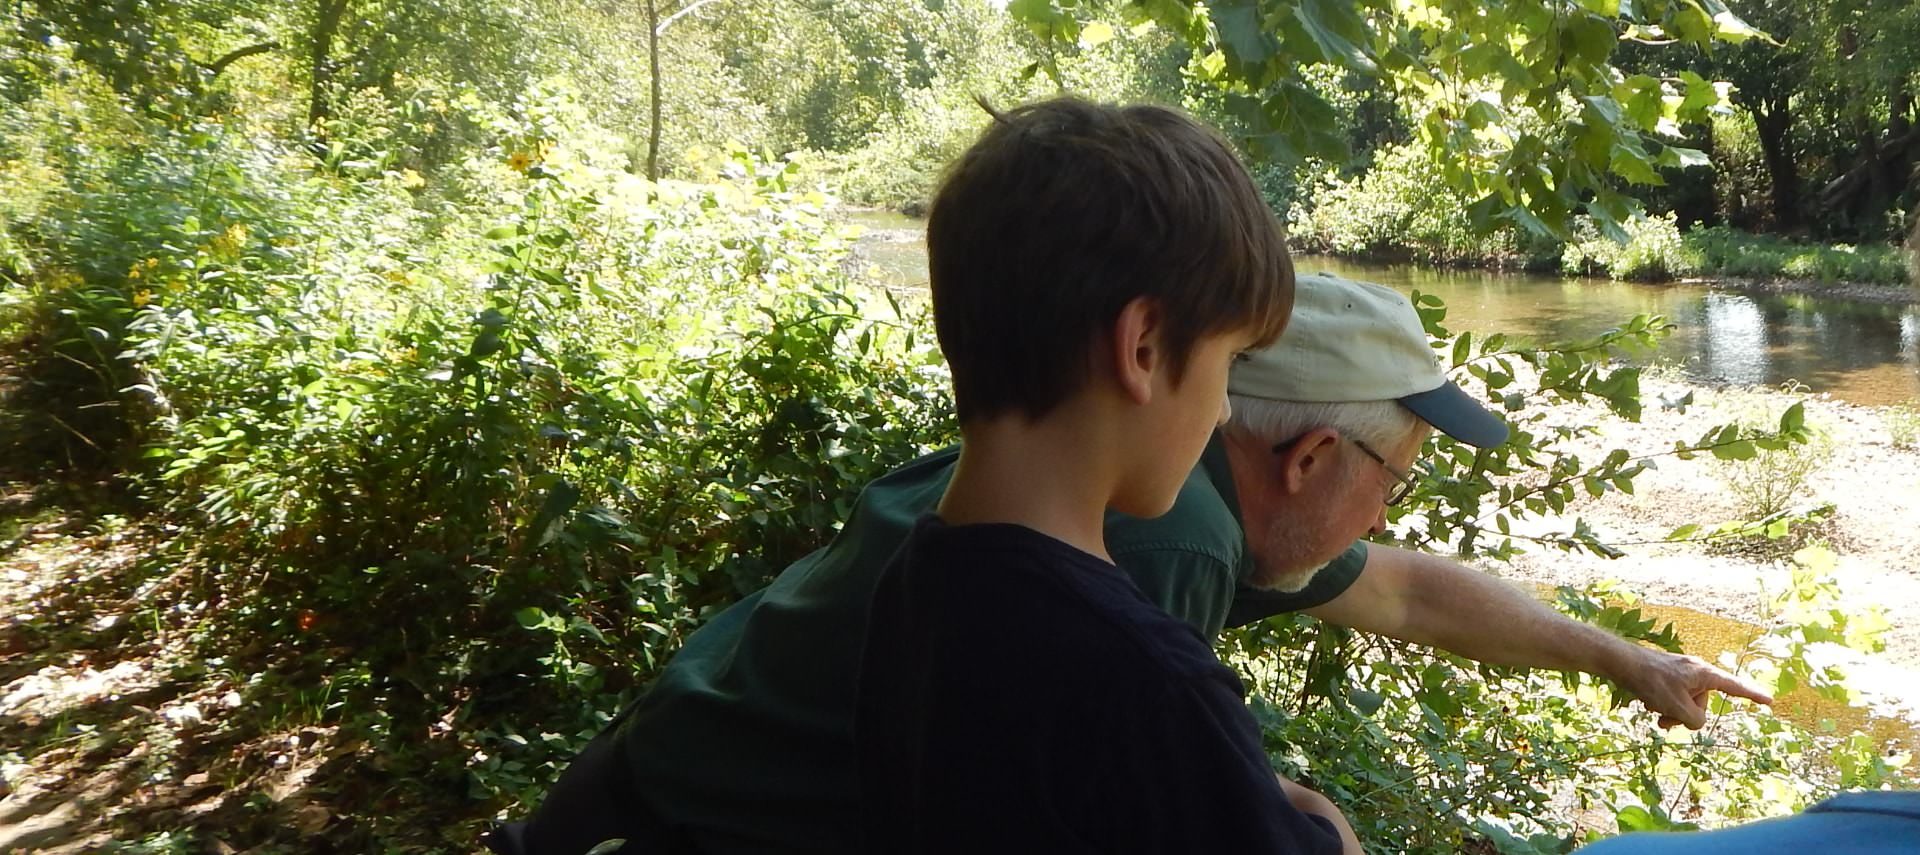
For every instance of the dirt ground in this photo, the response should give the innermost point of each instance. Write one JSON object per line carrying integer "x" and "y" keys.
{"x": 1873, "y": 486}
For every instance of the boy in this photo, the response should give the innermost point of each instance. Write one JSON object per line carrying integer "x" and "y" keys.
{"x": 1094, "y": 272}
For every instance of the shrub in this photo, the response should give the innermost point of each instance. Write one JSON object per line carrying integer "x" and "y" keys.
{"x": 1431, "y": 753}
{"x": 1403, "y": 207}
{"x": 543, "y": 433}
{"x": 1753, "y": 256}
{"x": 1766, "y": 482}
{"x": 1903, "y": 426}
{"x": 896, "y": 164}
{"x": 1654, "y": 251}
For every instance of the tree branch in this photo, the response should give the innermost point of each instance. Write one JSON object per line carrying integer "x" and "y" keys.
{"x": 215, "y": 67}
{"x": 668, "y": 20}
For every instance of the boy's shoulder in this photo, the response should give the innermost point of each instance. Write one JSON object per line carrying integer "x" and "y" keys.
{"x": 1042, "y": 590}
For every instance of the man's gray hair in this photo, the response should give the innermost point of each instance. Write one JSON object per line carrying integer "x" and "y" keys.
{"x": 1384, "y": 425}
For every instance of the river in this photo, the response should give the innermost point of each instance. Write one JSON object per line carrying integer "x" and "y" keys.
{"x": 1862, "y": 353}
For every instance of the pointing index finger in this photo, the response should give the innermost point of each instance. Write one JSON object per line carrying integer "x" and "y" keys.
{"x": 1737, "y": 687}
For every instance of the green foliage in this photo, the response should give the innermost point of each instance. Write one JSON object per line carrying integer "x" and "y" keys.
{"x": 897, "y": 161}
{"x": 1654, "y": 250}
{"x": 1430, "y": 753}
{"x": 1767, "y": 480}
{"x": 1520, "y": 104}
{"x": 1403, "y": 206}
{"x": 544, "y": 414}
{"x": 1762, "y": 257}
{"x": 1473, "y": 496}
{"x": 1903, "y": 426}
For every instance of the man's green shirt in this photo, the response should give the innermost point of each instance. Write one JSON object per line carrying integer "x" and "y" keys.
{"x": 745, "y": 741}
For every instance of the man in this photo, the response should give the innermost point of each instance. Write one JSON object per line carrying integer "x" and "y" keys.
{"x": 744, "y": 743}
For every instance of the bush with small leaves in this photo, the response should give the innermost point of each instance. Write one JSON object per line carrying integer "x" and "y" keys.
{"x": 1769, "y": 481}
{"x": 1903, "y": 426}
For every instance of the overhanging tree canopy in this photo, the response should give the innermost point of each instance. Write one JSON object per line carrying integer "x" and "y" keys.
{"x": 1518, "y": 100}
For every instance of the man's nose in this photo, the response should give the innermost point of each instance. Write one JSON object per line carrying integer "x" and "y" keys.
{"x": 1380, "y": 522}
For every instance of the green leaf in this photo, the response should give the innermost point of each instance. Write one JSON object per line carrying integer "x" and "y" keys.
{"x": 1482, "y": 114}
{"x": 561, "y": 498}
{"x": 1336, "y": 28}
{"x": 1683, "y": 532}
{"x": 1742, "y": 450}
{"x": 1794, "y": 419}
{"x": 1700, "y": 95}
{"x": 1683, "y": 158}
{"x": 530, "y": 617}
{"x": 1096, "y": 34}
{"x": 1729, "y": 28}
{"x": 1248, "y": 44}
{"x": 486, "y": 343}
{"x": 1628, "y": 160}
{"x": 1367, "y": 702}
{"x": 1590, "y": 39}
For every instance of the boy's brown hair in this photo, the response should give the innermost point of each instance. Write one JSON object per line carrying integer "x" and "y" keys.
{"x": 1063, "y": 212}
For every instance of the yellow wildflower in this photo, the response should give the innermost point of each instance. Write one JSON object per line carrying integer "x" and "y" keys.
{"x": 410, "y": 179}
{"x": 520, "y": 161}
{"x": 229, "y": 242}
{"x": 143, "y": 298}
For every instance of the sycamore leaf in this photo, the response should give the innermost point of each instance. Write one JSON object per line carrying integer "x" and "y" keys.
{"x": 1096, "y": 34}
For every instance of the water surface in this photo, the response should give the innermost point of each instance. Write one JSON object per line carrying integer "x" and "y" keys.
{"x": 1863, "y": 353}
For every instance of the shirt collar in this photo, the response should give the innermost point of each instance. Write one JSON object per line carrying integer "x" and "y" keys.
{"x": 1213, "y": 461}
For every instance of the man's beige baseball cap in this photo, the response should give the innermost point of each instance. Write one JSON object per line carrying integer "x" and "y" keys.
{"x": 1354, "y": 341}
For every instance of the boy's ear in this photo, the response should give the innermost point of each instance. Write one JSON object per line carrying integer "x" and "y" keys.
{"x": 1308, "y": 459}
{"x": 1135, "y": 349}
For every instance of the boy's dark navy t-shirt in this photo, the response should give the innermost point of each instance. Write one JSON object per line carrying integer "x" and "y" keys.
{"x": 1019, "y": 694}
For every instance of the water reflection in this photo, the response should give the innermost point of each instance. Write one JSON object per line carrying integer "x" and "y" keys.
{"x": 1859, "y": 352}
{"x": 1732, "y": 344}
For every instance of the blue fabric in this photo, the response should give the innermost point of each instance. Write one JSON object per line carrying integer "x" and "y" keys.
{"x": 1865, "y": 823}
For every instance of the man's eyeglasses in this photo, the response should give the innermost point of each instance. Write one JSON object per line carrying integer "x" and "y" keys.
{"x": 1406, "y": 481}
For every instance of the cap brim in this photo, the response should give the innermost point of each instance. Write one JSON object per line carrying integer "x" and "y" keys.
{"x": 1455, "y": 413}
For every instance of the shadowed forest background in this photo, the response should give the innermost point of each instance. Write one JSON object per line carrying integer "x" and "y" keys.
{"x": 388, "y": 388}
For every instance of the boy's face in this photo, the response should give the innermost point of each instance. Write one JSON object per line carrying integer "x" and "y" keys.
{"x": 1178, "y": 421}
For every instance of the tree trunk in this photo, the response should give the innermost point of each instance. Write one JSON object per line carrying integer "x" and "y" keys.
{"x": 326, "y": 23}
{"x": 653, "y": 73}
{"x": 1771, "y": 122}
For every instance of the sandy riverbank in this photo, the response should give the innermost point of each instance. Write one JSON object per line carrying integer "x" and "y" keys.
{"x": 1859, "y": 292}
{"x": 1873, "y": 486}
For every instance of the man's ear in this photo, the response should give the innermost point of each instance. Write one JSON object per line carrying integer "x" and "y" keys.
{"x": 1135, "y": 350}
{"x": 1309, "y": 459}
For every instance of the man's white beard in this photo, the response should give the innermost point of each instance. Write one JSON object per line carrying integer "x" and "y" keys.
{"x": 1288, "y": 582}
{"x": 1286, "y": 538}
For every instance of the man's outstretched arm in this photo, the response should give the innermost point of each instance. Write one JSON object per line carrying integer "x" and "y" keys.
{"x": 1430, "y": 600}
